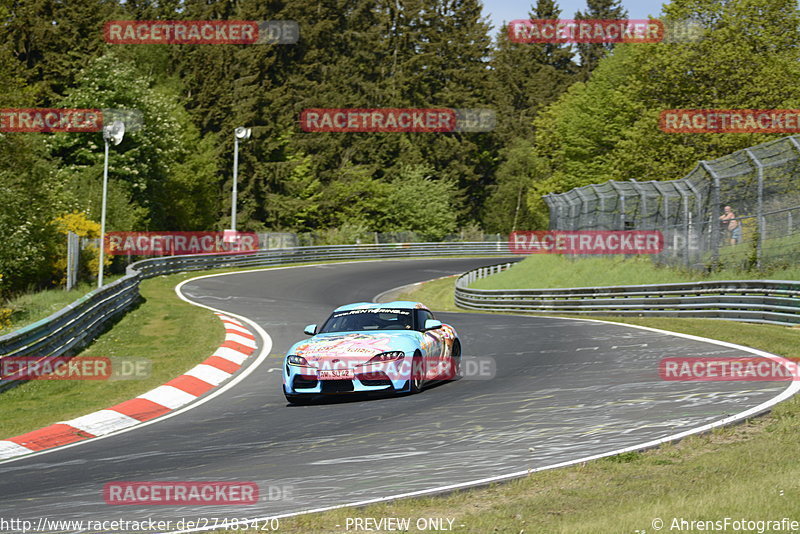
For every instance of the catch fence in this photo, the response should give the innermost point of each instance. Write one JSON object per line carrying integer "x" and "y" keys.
{"x": 761, "y": 184}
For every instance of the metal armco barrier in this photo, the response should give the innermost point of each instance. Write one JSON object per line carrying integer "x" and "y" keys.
{"x": 755, "y": 301}
{"x": 78, "y": 323}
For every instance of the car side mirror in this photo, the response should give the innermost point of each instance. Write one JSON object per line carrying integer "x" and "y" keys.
{"x": 432, "y": 324}
{"x": 310, "y": 329}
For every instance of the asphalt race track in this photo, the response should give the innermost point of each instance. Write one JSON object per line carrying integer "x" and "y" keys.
{"x": 564, "y": 389}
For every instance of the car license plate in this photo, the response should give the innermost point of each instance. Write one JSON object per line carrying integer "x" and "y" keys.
{"x": 337, "y": 374}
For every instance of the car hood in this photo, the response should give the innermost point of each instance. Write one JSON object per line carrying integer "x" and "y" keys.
{"x": 355, "y": 346}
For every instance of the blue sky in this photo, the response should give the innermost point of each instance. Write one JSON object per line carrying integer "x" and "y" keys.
{"x": 508, "y": 10}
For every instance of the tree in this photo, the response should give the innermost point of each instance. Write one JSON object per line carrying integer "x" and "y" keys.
{"x": 30, "y": 193}
{"x": 52, "y": 40}
{"x": 506, "y": 209}
{"x": 155, "y": 174}
{"x": 529, "y": 77}
{"x": 591, "y": 53}
{"x": 607, "y": 128}
{"x": 422, "y": 205}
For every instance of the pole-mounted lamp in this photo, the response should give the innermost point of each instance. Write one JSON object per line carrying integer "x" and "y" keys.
{"x": 240, "y": 133}
{"x": 112, "y": 133}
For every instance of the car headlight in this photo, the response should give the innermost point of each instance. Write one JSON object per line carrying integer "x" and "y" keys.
{"x": 296, "y": 360}
{"x": 387, "y": 357}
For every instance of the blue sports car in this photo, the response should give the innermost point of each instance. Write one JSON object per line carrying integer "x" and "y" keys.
{"x": 365, "y": 347}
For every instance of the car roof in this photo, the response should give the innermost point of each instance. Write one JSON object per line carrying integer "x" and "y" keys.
{"x": 401, "y": 304}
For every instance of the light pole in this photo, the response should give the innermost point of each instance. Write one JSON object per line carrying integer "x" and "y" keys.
{"x": 239, "y": 133}
{"x": 112, "y": 133}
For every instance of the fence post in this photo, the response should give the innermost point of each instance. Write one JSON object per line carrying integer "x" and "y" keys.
{"x": 715, "y": 206}
{"x": 642, "y": 208}
{"x": 683, "y": 222}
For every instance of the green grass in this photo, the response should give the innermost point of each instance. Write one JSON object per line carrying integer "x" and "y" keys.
{"x": 171, "y": 333}
{"x": 552, "y": 271}
{"x": 749, "y": 470}
{"x": 31, "y": 307}
{"x": 174, "y": 335}
{"x": 437, "y": 294}
{"x": 775, "y": 253}
{"x": 744, "y": 471}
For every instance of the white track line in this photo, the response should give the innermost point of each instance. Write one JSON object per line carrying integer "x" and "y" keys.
{"x": 262, "y": 355}
{"x": 18, "y": 452}
{"x": 791, "y": 389}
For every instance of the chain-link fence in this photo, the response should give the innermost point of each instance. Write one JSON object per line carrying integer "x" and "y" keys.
{"x": 741, "y": 210}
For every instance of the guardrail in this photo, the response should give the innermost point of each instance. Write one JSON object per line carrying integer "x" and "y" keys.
{"x": 755, "y": 301}
{"x": 78, "y": 323}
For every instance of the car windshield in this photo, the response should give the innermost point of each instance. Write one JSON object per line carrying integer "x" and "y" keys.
{"x": 371, "y": 319}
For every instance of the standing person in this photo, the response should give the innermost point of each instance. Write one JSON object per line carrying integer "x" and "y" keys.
{"x": 734, "y": 227}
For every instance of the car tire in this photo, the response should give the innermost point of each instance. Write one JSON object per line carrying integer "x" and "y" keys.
{"x": 455, "y": 361}
{"x": 415, "y": 378}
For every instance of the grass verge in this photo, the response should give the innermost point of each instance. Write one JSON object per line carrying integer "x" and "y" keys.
{"x": 171, "y": 333}
{"x": 31, "y": 307}
{"x": 748, "y": 471}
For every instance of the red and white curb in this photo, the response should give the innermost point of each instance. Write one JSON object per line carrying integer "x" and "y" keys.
{"x": 227, "y": 359}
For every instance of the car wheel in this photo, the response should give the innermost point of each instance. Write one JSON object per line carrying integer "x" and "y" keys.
{"x": 416, "y": 374}
{"x": 455, "y": 361}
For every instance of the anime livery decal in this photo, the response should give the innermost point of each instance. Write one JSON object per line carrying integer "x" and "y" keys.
{"x": 367, "y": 347}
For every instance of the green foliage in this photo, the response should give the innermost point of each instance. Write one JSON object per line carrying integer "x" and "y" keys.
{"x": 160, "y": 177}
{"x": 29, "y": 192}
{"x": 552, "y": 133}
{"x": 507, "y": 207}
{"x": 528, "y": 77}
{"x": 607, "y": 127}
{"x": 347, "y": 234}
{"x": 52, "y": 40}
{"x": 30, "y": 201}
{"x": 420, "y": 204}
{"x": 354, "y": 197}
{"x": 592, "y": 53}
{"x": 89, "y": 262}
